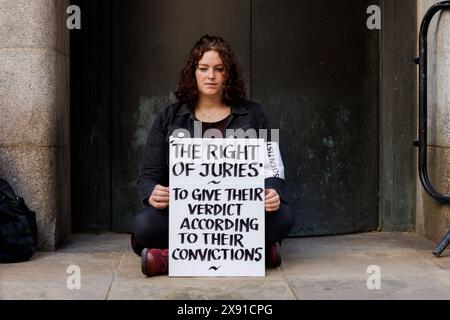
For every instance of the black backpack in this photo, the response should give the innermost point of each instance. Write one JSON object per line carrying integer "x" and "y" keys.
{"x": 18, "y": 229}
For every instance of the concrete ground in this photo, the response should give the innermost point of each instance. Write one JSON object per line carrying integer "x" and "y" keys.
{"x": 332, "y": 267}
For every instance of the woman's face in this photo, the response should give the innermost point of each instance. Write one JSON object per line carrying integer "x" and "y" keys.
{"x": 210, "y": 75}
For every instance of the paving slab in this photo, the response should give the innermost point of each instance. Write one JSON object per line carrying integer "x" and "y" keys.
{"x": 340, "y": 267}
{"x": 130, "y": 283}
{"x": 334, "y": 267}
{"x": 45, "y": 276}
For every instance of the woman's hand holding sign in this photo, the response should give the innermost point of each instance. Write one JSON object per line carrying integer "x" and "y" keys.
{"x": 272, "y": 200}
{"x": 159, "y": 197}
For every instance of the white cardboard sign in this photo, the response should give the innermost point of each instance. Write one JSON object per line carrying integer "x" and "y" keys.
{"x": 216, "y": 207}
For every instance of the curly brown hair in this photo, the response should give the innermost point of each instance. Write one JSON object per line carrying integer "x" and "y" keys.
{"x": 234, "y": 88}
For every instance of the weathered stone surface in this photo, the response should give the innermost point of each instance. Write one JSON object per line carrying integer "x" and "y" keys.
{"x": 336, "y": 267}
{"x": 34, "y": 24}
{"x": 98, "y": 242}
{"x": 332, "y": 267}
{"x": 200, "y": 289}
{"x": 40, "y": 175}
{"x": 62, "y": 33}
{"x": 34, "y": 97}
{"x": 130, "y": 269}
{"x": 45, "y": 276}
{"x": 130, "y": 283}
{"x": 432, "y": 217}
{"x": 403, "y": 276}
{"x": 439, "y": 168}
{"x": 384, "y": 242}
{"x": 438, "y": 71}
{"x": 34, "y": 103}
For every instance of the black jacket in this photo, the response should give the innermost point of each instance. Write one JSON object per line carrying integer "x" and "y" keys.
{"x": 155, "y": 165}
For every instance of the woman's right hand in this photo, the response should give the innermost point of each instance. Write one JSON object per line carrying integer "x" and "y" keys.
{"x": 159, "y": 197}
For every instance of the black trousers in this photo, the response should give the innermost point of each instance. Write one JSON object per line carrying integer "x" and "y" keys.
{"x": 150, "y": 227}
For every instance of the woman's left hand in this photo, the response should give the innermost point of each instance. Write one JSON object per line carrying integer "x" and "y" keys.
{"x": 272, "y": 200}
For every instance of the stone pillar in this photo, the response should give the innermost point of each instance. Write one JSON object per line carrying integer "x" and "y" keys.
{"x": 432, "y": 218}
{"x": 34, "y": 108}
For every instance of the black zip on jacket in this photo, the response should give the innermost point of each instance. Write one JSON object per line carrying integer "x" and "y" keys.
{"x": 155, "y": 164}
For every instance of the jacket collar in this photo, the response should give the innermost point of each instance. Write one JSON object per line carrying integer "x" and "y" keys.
{"x": 236, "y": 108}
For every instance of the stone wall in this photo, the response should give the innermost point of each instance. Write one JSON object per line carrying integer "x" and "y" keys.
{"x": 34, "y": 108}
{"x": 432, "y": 218}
